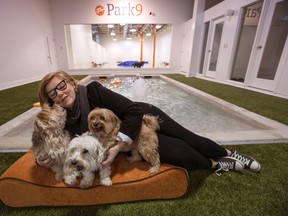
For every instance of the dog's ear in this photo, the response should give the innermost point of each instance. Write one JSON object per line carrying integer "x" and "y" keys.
{"x": 97, "y": 152}
{"x": 58, "y": 108}
{"x": 99, "y": 155}
{"x": 71, "y": 151}
{"x": 37, "y": 143}
{"x": 114, "y": 119}
{"x": 90, "y": 115}
{"x": 39, "y": 125}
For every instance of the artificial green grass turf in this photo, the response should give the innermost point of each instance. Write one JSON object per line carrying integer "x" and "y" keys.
{"x": 270, "y": 106}
{"x": 15, "y": 101}
{"x": 232, "y": 193}
{"x": 263, "y": 193}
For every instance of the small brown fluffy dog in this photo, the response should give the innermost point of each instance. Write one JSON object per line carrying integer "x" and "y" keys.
{"x": 105, "y": 125}
{"x": 50, "y": 138}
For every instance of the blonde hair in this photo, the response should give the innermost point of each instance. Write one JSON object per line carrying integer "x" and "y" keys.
{"x": 42, "y": 94}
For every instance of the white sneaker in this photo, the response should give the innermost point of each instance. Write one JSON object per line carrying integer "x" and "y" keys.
{"x": 227, "y": 164}
{"x": 248, "y": 161}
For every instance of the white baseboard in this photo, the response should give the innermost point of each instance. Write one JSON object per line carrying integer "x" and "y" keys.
{"x": 16, "y": 83}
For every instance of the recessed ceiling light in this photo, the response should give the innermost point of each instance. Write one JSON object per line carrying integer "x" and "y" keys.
{"x": 148, "y": 34}
{"x": 114, "y": 39}
{"x": 132, "y": 30}
{"x": 158, "y": 26}
{"x": 110, "y": 26}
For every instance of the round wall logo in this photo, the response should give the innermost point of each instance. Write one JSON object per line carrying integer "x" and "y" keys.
{"x": 119, "y": 10}
{"x": 99, "y": 10}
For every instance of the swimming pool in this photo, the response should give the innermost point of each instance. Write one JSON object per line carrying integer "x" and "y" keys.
{"x": 197, "y": 111}
{"x": 192, "y": 112}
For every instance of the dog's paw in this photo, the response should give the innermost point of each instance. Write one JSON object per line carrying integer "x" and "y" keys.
{"x": 133, "y": 159}
{"x": 106, "y": 181}
{"x": 86, "y": 184}
{"x": 71, "y": 180}
{"x": 154, "y": 169}
{"x": 59, "y": 177}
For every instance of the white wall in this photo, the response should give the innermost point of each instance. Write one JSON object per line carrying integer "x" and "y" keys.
{"x": 176, "y": 47}
{"x": 163, "y": 47}
{"x": 121, "y": 50}
{"x": 98, "y": 53}
{"x": 81, "y": 39}
{"x": 23, "y": 26}
{"x": 75, "y": 12}
{"x": 187, "y": 38}
{"x": 82, "y": 50}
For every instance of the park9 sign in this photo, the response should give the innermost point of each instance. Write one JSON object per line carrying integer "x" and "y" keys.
{"x": 116, "y": 10}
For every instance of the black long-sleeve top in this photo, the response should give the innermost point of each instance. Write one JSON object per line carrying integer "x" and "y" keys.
{"x": 130, "y": 113}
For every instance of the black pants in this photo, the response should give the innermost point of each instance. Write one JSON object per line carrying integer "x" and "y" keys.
{"x": 181, "y": 147}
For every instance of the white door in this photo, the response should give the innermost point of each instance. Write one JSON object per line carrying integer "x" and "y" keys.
{"x": 269, "y": 49}
{"x": 186, "y": 47}
{"x": 50, "y": 52}
{"x": 213, "y": 46}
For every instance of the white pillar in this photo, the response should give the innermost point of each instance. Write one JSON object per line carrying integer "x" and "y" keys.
{"x": 197, "y": 37}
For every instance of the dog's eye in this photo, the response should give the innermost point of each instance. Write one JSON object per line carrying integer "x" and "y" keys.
{"x": 85, "y": 151}
{"x": 102, "y": 118}
{"x": 72, "y": 150}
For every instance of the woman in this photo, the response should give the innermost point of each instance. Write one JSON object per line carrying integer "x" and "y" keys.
{"x": 177, "y": 145}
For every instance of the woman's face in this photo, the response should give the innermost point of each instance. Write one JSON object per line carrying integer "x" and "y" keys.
{"x": 64, "y": 91}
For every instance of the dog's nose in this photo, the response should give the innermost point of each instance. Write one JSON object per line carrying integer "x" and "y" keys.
{"x": 95, "y": 125}
{"x": 79, "y": 168}
{"x": 74, "y": 162}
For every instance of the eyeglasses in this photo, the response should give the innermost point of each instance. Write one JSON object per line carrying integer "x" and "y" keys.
{"x": 61, "y": 86}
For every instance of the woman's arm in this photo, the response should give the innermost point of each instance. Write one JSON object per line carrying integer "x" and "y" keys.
{"x": 112, "y": 153}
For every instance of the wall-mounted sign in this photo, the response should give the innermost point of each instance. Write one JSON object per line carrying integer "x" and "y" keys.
{"x": 117, "y": 10}
{"x": 253, "y": 13}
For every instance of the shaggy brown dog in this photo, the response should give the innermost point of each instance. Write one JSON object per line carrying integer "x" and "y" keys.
{"x": 105, "y": 125}
{"x": 50, "y": 138}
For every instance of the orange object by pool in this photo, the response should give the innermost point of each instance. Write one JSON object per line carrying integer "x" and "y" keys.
{"x": 37, "y": 104}
{"x": 116, "y": 81}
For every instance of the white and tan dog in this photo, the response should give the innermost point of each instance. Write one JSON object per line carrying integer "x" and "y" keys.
{"x": 105, "y": 125}
{"x": 50, "y": 138}
{"x": 84, "y": 157}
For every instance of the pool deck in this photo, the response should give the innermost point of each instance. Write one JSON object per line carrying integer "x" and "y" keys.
{"x": 16, "y": 134}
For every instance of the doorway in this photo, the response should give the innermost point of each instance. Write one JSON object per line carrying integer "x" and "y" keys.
{"x": 270, "y": 47}
{"x": 249, "y": 17}
{"x": 213, "y": 46}
{"x": 50, "y": 52}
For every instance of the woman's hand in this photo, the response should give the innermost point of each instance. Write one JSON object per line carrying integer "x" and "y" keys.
{"x": 45, "y": 161}
{"x": 112, "y": 153}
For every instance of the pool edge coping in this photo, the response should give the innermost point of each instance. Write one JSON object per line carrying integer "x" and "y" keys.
{"x": 272, "y": 132}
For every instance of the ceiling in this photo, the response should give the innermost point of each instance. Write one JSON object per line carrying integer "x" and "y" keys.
{"x": 124, "y": 31}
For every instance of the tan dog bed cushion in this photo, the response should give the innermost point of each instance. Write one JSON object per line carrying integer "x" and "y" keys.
{"x": 27, "y": 184}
